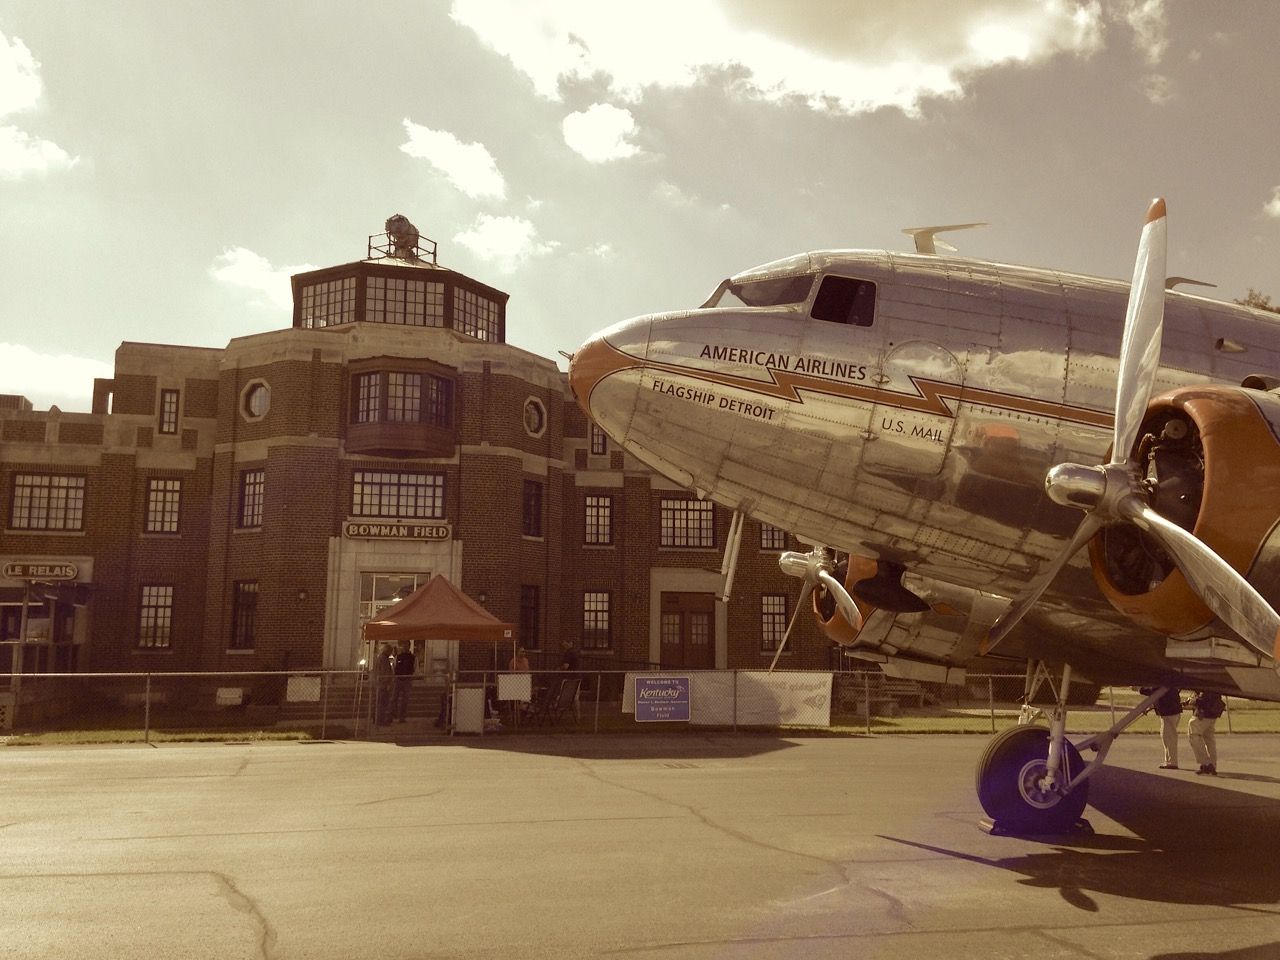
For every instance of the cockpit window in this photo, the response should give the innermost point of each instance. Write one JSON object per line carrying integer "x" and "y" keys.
{"x": 845, "y": 300}
{"x": 770, "y": 292}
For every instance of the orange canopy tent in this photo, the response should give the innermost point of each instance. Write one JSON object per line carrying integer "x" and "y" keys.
{"x": 437, "y": 610}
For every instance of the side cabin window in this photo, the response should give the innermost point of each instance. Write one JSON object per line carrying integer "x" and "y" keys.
{"x": 845, "y": 300}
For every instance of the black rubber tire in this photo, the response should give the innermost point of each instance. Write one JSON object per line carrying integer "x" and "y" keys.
{"x": 1005, "y": 778}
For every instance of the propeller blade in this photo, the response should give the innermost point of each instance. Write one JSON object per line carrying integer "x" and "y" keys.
{"x": 1220, "y": 585}
{"x": 1143, "y": 323}
{"x": 1018, "y": 609}
{"x": 804, "y": 595}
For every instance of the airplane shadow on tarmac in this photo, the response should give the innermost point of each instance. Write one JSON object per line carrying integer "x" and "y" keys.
{"x": 1266, "y": 951}
{"x": 689, "y": 747}
{"x": 1194, "y": 843}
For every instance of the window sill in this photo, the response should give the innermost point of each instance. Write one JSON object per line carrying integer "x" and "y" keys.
{"x": 239, "y": 652}
{"x": 28, "y": 532}
{"x": 167, "y": 651}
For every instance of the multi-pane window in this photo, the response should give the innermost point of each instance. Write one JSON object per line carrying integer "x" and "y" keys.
{"x": 688, "y": 523}
{"x": 324, "y": 304}
{"x": 418, "y": 496}
{"x": 474, "y": 315}
{"x": 252, "y": 485}
{"x": 155, "y": 615}
{"x": 416, "y": 303}
{"x": 773, "y": 620}
{"x": 164, "y": 501}
{"x": 596, "y": 632}
{"x": 530, "y": 617}
{"x": 599, "y": 440}
{"x": 399, "y": 396}
{"x": 368, "y": 397}
{"x": 437, "y": 401}
{"x": 169, "y": 411}
{"x": 531, "y": 515}
{"x": 244, "y": 613}
{"x": 598, "y": 520}
{"x": 404, "y": 397}
{"x": 772, "y": 538}
{"x": 47, "y": 502}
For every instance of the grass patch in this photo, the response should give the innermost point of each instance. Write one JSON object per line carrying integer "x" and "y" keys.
{"x": 45, "y": 738}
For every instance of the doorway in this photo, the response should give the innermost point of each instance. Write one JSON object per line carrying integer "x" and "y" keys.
{"x": 688, "y": 630}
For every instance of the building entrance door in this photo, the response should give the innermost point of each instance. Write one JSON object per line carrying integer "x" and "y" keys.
{"x": 688, "y": 630}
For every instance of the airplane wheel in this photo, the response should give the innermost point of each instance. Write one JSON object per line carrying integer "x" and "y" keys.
{"x": 1008, "y": 776}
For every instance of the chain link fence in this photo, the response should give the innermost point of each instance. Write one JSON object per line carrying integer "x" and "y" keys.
{"x": 116, "y": 707}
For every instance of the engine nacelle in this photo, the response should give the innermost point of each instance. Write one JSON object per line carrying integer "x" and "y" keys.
{"x": 1212, "y": 455}
{"x": 834, "y": 625}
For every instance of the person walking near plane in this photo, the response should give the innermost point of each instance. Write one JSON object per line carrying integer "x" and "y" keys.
{"x": 1169, "y": 709}
{"x": 1206, "y": 708}
{"x": 383, "y": 669}
{"x": 405, "y": 664}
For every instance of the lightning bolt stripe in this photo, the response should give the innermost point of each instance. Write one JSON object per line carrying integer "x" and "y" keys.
{"x": 935, "y": 397}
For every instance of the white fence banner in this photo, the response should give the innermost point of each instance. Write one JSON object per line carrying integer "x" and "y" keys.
{"x": 790, "y": 698}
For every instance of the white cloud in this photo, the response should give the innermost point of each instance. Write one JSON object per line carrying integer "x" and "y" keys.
{"x": 667, "y": 192}
{"x": 22, "y": 154}
{"x": 1272, "y": 208}
{"x": 239, "y": 267}
{"x": 601, "y": 132}
{"x": 20, "y": 88}
{"x": 886, "y": 55}
{"x": 45, "y": 378}
{"x": 1147, "y": 18}
{"x": 468, "y": 166}
{"x": 1157, "y": 88}
{"x": 506, "y": 241}
{"x": 20, "y": 84}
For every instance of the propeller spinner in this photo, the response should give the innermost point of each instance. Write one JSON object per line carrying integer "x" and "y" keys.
{"x": 1118, "y": 491}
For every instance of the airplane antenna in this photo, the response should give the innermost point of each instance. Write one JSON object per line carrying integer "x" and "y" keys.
{"x": 926, "y": 237}
{"x": 1174, "y": 281}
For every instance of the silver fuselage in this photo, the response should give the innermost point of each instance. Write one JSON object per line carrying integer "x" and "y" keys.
{"x": 923, "y": 437}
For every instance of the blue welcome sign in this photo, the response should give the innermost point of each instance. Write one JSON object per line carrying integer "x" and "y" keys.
{"x": 662, "y": 698}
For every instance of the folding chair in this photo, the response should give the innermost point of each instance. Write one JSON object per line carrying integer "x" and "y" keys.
{"x": 567, "y": 697}
{"x": 544, "y": 706}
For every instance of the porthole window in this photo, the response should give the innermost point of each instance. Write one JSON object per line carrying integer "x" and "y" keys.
{"x": 255, "y": 400}
{"x": 535, "y": 417}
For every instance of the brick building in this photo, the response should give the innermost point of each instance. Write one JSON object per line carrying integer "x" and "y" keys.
{"x": 247, "y": 508}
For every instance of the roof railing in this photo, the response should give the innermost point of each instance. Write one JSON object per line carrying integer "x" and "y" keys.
{"x": 413, "y": 248}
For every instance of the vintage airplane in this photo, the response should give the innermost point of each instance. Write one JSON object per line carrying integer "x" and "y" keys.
{"x": 911, "y": 411}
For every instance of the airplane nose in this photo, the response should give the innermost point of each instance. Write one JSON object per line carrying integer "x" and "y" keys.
{"x": 622, "y": 347}
{"x": 585, "y": 370}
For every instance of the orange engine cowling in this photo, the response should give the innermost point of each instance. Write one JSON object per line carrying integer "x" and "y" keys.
{"x": 1214, "y": 456}
{"x": 834, "y": 625}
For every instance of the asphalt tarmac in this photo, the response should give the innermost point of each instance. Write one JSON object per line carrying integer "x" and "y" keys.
{"x": 637, "y": 847}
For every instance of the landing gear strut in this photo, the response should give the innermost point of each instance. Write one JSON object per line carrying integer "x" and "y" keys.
{"x": 1031, "y": 779}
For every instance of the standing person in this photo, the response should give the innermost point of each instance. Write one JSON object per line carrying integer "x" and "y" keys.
{"x": 404, "y": 666}
{"x": 520, "y": 664}
{"x": 569, "y": 658}
{"x": 383, "y": 669}
{"x": 1206, "y": 708}
{"x": 1169, "y": 709}
{"x": 569, "y": 661}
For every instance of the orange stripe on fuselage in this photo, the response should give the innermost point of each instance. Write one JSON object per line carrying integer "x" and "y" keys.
{"x": 934, "y": 397}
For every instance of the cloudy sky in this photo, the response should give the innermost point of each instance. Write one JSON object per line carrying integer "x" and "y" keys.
{"x": 165, "y": 165}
